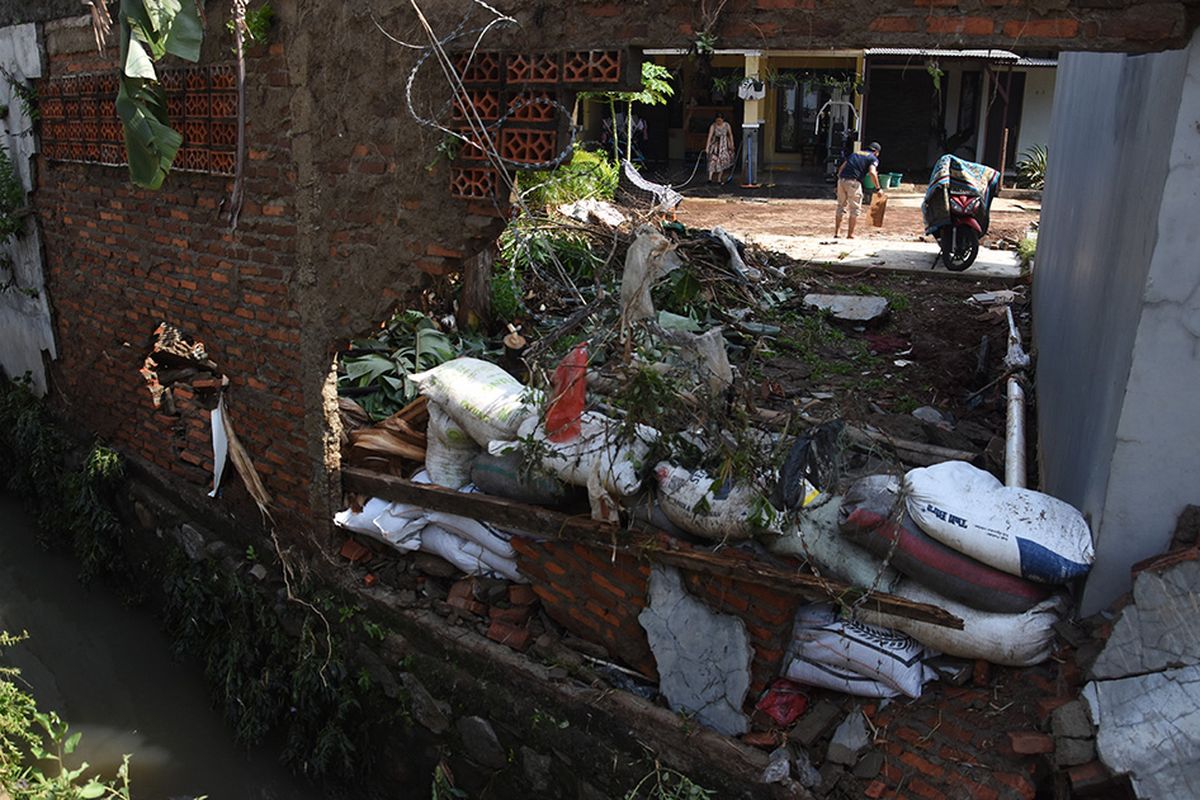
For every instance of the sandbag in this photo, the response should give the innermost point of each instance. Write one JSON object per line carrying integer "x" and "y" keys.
{"x": 1015, "y": 640}
{"x": 821, "y": 639}
{"x": 395, "y": 524}
{"x": 481, "y": 397}
{"x": 449, "y": 450}
{"x": 468, "y": 557}
{"x": 823, "y": 676}
{"x": 700, "y": 505}
{"x": 482, "y": 533}
{"x": 601, "y": 453}
{"x": 501, "y": 475}
{"x": 814, "y": 537}
{"x": 873, "y": 517}
{"x": 1018, "y": 531}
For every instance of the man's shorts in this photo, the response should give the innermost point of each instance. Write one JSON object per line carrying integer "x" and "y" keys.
{"x": 849, "y": 193}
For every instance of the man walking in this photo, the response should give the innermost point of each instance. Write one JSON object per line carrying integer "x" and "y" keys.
{"x": 849, "y": 186}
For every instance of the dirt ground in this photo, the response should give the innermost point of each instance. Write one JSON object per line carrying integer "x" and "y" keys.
{"x": 779, "y": 217}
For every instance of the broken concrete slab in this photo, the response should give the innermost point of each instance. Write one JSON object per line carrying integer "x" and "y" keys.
{"x": 1149, "y": 728}
{"x": 812, "y": 726}
{"x": 703, "y": 658}
{"x": 850, "y": 739}
{"x": 849, "y": 307}
{"x": 1159, "y": 630}
{"x": 1073, "y": 752}
{"x": 1071, "y": 720}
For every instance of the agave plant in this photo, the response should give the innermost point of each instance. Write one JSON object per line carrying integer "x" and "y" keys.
{"x": 1032, "y": 166}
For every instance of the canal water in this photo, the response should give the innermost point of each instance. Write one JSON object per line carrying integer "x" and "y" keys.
{"x": 108, "y": 671}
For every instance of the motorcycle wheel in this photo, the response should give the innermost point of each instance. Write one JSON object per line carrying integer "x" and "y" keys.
{"x": 960, "y": 246}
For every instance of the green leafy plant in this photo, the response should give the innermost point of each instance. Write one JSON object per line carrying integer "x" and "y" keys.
{"x": 588, "y": 175}
{"x": 656, "y": 90}
{"x": 1026, "y": 252}
{"x": 26, "y": 95}
{"x": 667, "y": 784}
{"x": 1032, "y": 166}
{"x": 258, "y": 24}
{"x": 27, "y": 732}
{"x": 13, "y": 207}
{"x": 410, "y": 342}
{"x": 149, "y": 31}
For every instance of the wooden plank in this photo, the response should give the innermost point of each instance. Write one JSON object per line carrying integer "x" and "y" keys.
{"x": 516, "y": 516}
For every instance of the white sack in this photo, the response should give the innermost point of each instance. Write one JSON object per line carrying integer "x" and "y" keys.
{"x": 815, "y": 538}
{"x": 824, "y": 676}
{"x": 598, "y": 451}
{"x": 481, "y": 397}
{"x": 363, "y": 521}
{"x": 396, "y": 524}
{"x": 449, "y": 450}
{"x": 1018, "y": 531}
{"x": 482, "y": 533}
{"x": 468, "y": 557}
{"x": 698, "y": 504}
{"x": 883, "y": 656}
{"x": 1014, "y": 640}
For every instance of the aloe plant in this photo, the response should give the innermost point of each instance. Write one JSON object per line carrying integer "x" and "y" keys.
{"x": 1032, "y": 166}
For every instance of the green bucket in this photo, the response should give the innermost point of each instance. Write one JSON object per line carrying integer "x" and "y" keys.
{"x": 894, "y": 179}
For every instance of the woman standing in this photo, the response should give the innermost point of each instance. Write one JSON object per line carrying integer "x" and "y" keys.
{"x": 719, "y": 148}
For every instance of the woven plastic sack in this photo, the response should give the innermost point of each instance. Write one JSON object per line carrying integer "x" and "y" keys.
{"x": 449, "y": 450}
{"x": 700, "y": 505}
{"x": 469, "y": 557}
{"x": 1015, "y": 640}
{"x": 881, "y": 655}
{"x": 483, "y": 399}
{"x": 873, "y": 517}
{"x": 813, "y": 536}
{"x": 1018, "y": 531}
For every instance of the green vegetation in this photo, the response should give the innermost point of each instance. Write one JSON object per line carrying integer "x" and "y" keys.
{"x": 1032, "y": 166}
{"x": 12, "y": 198}
{"x": 667, "y": 784}
{"x": 258, "y": 24}
{"x": 73, "y": 507}
{"x": 34, "y": 744}
{"x": 409, "y": 342}
{"x": 149, "y": 31}
{"x": 1026, "y": 252}
{"x": 587, "y": 176}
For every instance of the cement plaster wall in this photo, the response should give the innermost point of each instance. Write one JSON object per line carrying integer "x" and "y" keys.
{"x": 1037, "y": 109}
{"x": 26, "y": 328}
{"x": 1105, "y": 247}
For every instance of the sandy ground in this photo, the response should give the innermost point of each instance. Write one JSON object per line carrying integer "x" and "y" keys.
{"x": 803, "y": 230}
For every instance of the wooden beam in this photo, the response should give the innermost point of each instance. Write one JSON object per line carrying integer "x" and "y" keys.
{"x": 546, "y": 522}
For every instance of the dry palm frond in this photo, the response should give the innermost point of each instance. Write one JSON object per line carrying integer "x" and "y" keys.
{"x": 101, "y": 21}
{"x": 244, "y": 465}
{"x": 375, "y": 440}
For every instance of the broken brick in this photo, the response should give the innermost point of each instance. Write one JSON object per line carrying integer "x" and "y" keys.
{"x": 1030, "y": 742}
{"x": 521, "y": 594}
{"x": 354, "y": 552}
{"x": 517, "y": 615}
{"x": 511, "y": 635}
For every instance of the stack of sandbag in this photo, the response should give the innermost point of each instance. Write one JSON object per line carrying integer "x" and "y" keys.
{"x": 987, "y": 553}
{"x": 475, "y": 547}
{"x": 713, "y": 509}
{"x": 848, "y": 656}
{"x": 450, "y": 451}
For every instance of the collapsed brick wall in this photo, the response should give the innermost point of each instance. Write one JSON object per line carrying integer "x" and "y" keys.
{"x": 120, "y": 260}
{"x": 597, "y": 595}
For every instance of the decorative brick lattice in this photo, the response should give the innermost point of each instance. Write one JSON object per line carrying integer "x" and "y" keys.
{"x": 533, "y": 68}
{"x": 484, "y": 67}
{"x": 80, "y": 123}
{"x": 531, "y": 106}
{"x": 486, "y": 103}
{"x": 592, "y": 66}
{"x": 473, "y": 183}
{"x": 528, "y": 146}
{"x": 469, "y": 151}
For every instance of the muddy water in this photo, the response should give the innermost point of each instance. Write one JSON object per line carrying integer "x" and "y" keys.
{"x": 108, "y": 671}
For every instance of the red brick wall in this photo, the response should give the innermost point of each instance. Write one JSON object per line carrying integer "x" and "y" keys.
{"x": 120, "y": 260}
{"x": 598, "y": 598}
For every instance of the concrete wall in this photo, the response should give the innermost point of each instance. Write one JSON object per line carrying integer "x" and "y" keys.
{"x": 1039, "y": 104}
{"x": 1113, "y": 270}
{"x": 26, "y": 329}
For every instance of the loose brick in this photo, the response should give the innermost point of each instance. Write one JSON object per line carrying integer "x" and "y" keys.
{"x": 517, "y": 638}
{"x": 1030, "y": 742}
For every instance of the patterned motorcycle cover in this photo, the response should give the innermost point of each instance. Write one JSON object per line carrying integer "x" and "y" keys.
{"x": 953, "y": 175}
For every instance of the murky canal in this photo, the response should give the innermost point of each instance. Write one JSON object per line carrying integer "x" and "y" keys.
{"x": 108, "y": 670}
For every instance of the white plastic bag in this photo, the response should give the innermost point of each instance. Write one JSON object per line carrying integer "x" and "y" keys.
{"x": 882, "y": 656}
{"x": 449, "y": 450}
{"x": 1015, "y": 640}
{"x": 395, "y": 524}
{"x": 469, "y": 557}
{"x": 1018, "y": 531}
{"x": 481, "y": 397}
{"x": 698, "y": 504}
{"x": 650, "y": 257}
{"x": 600, "y": 450}
{"x": 815, "y": 538}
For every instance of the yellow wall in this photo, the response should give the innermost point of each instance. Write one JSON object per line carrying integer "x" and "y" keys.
{"x": 773, "y": 63}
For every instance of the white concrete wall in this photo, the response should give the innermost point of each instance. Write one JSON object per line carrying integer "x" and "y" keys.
{"x": 1115, "y": 294}
{"x": 26, "y": 329}
{"x": 1156, "y": 458}
{"x": 1039, "y": 103}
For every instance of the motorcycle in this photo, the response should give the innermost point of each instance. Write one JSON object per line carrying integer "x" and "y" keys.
{"x": 957, "y": 208}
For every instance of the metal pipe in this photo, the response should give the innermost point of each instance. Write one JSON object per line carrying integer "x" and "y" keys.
{"x": 1014, "y": 441}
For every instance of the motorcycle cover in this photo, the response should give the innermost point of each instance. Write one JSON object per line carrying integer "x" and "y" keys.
{"x": 953, "y": 175}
